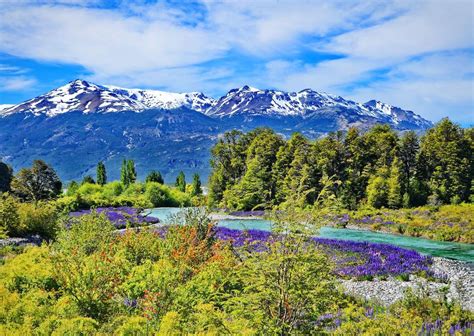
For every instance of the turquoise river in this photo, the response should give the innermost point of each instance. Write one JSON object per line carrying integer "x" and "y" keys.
{"x": 458, "y": 251}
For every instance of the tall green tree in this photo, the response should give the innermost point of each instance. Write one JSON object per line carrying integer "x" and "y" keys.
{"x": 132, "y": 173}
{"x": 255, "y": 189}
{"x": 377, "y": 189}
{"x": 196, "y": 188}
{"x": 446, "y": 162}
{"x": 301, "y": 181}
{"x": 40, "y": 182}
{"x": 228, "y": 162}
{"x": 124, "y": 173}
{"x": 181, "y": 182}
{"x": 6, "y": 176}
{"x": 394, "y": 197}
{"x": 128, "y": 174}
{"x": 355, "y": 160}
{"x": 284, "y": 158}
{"x": 409, "y": 148}
{"x": 101, "y": 174}
{"x": 154, "y": 176}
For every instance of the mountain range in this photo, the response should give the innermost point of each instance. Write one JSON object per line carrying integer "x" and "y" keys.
{"x": 78, "y": 124}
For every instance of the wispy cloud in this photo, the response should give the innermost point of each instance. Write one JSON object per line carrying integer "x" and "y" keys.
{"x": 16, "y": 83}
{"x": 362, "y": 49}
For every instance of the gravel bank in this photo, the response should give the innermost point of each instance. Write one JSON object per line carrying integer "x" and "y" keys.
{"x": 458, "y": 275}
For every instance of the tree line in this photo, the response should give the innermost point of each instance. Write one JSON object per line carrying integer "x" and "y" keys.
{"x": 40, "y": 182}
{"x": 380, "y": 168}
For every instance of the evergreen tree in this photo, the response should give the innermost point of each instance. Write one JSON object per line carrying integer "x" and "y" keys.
{"x": 6, "y": 176}
{"x": 255, "y": 187}
{"x": 181, "y": 182}
{"x": 101, "y": 174}
{"x": 124, "y": 177}
{"x": 409, "y": 147}
{"x": 154, "y": 176}
{"x": 196, "y": 189}
{"x": 377, "y": 189}
{"x": 301, "y": 181}
{"x": 132, "y": 173}
{"x": 284, "y": 158}
{"x": 445, "y": 162}
{"x": 128, "y": 174}
{"x": 228, "y": 162}
{"x": 354, "y": 181}
{"x": 394, "y": 197}
{"x": 40, "y": 182}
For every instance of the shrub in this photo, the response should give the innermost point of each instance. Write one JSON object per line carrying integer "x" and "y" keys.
{"x": 40, "y": 218}
{"x": 9, "y": 217}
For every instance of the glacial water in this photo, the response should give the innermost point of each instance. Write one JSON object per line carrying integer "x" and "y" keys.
{"x": 458, "y": 251}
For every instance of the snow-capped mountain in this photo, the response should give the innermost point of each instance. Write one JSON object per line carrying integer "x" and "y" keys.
{"x": 80, "y": 95}
{"x": 252, "y": 101}
{"x": 78, "y": 124}
{"x": 196, "y": 101}
{"x": 245, "y": 102}
{"x": 248, "y": 101}
{"x": 4, "y": 107}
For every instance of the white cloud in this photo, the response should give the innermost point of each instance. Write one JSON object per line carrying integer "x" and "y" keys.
{"x": 412, "y": 54}
{"x": 15, "y": 83}
{"x": 429, "y": 26}
{"x": 103, "y": 41}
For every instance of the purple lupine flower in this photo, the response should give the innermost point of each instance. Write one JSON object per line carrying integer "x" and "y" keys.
{"x": 120, "y": 216}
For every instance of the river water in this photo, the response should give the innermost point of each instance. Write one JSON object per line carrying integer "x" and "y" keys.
{"x": 458, "y": 251}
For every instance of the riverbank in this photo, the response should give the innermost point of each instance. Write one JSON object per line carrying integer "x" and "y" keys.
{"x": 457, "y": 285}
{"x": 452, "y": 223}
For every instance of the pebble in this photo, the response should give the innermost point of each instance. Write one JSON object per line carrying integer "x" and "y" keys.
{"x": 457, "y": 283}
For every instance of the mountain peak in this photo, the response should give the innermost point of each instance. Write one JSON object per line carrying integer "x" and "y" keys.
{"x": 87, "y": 97}
{"x": 249, "y": 88}
{"x": 246, "y": 101}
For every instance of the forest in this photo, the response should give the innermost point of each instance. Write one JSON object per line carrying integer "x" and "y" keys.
{"x": 379, "y": 168}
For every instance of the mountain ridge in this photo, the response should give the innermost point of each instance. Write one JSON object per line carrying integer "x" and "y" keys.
{"x": 76, "y": 125}
{"x": 80, "y": 95}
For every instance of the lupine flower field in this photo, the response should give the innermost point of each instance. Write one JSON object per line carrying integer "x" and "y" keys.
{"x": 351, "y": 259}
{"x": 120, "y": 217}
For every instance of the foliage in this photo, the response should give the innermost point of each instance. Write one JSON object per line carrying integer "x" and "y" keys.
{"x": 379, "y": 168}
{"x": 447, "y": 222}
{"x": 101, "y": 174}
{"x": 37, "y": 183}
{"x": 88, "y": 179}
{"x": 6, "y": 176}
{"x": 9, "y": 217}
{"x": 128, "y": 174}
{"x": 192, "y": 278}
{"x": 23, "y": 219}
{"x": 72, "y": 188}
{"x": 154, "y": 176}
{"x": 181, "y": 182}
{"x": 196, "y": 189}
{"x": 115, "y": 194}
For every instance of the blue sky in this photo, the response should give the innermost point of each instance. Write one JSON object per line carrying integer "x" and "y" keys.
{"x": 418, "y": 55}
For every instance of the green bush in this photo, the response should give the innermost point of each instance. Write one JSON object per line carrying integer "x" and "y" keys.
{"x": 9, "y": 217}
{"x": 40, "y": 218}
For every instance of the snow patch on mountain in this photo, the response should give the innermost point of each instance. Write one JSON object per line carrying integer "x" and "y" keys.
{"x": 166, "y": 100}
{"x": 247, "y": 102}
{"x": 80, "y": 95}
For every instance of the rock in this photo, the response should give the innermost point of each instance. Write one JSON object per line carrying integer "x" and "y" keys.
{"x": 456, "y": 282}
